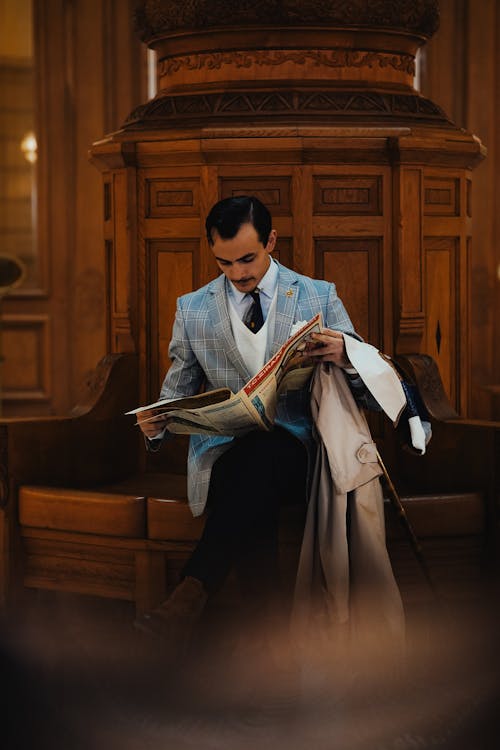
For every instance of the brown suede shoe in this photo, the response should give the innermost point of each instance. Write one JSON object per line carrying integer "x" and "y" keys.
{"x": 173, "y": 621}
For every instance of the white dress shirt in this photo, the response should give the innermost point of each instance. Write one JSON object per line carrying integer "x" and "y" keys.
{"x": 242, "y": 301}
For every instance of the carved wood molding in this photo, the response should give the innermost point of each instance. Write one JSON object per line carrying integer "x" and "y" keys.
{"x": 333, "y": 58}
{"x": 206, "y": 109}
{"x": 412, "y": 324}
{"x": 410, "y": 332}
{"x": 154, "y": 18}
{"x": 423, "y": 370}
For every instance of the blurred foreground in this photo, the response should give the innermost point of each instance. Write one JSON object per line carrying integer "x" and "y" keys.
{"x": 77, "y": 675}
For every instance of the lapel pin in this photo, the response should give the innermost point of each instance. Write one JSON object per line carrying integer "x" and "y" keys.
{"x": 289, "y": 293}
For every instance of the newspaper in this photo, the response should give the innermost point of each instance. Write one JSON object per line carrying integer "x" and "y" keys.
{"x": 221, "y": 412}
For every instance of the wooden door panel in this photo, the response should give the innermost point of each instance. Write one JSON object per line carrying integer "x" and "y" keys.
{"x": 354, "y": 266}
{"x": 442, "y": 317}
{"x": 171, "y": 274}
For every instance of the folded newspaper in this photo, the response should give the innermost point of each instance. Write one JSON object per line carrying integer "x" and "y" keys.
{"x": 221, "y": 412}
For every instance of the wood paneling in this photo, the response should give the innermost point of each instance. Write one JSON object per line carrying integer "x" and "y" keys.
{"x": 209, "y": 194}
{"x": 441, "y": 197}
{"x": 355, "y": 267}
{"x": 121, "y": 255}
{"x": 348, "y": 195}
{"x": 82, "y": 96}
{"x": 284, "y": 251}
{"x": 89, "y": 73}
{"x": 407, "y": 218}
{"x": 274, "y": 192}
{"x": 172, "y": 198}
{"x": 25, "y": 372}
{"x": 171, "y": 267}
{"x": 17, "y": 197}
{"x": 442, "y": 315}
{"x": 411, "y": 240}
{"x": 302, "y": 202}
{"x": 461, "y": 73}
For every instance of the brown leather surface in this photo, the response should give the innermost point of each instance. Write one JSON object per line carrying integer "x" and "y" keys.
{"x": 84, "y": 511}
{"x": 460, "y": 514}
{"x": 152, "y": 484}
{"x": 172, "y": 519}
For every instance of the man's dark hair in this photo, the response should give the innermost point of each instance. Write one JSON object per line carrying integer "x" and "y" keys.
{"x": 229, "y": 214}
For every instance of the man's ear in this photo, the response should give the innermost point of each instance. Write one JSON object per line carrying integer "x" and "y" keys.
{"x": 271, "y": 242}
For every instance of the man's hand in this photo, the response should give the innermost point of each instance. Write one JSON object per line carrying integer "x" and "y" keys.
{"x": 150, "y": 427}
{"x": 328, "y": 346}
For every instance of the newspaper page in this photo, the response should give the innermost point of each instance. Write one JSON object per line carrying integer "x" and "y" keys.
{"x": 221, "y": 412}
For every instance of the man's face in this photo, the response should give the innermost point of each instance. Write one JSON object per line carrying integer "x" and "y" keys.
{"x": 243, "y": 259}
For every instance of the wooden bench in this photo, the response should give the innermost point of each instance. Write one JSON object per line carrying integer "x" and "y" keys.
{"x": 84, "y": 510}
{"x": 131, "y": 547}
{"x": 108, "y": 543}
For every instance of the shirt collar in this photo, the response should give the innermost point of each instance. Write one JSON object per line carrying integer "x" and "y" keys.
{"x": 267, "y": 284}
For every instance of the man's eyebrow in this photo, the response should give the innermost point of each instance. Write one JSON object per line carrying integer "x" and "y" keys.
{"x": 243, "y": 257}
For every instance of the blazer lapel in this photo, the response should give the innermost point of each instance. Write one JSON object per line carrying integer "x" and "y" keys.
{"x": 221, "y": 322}
{"x": 286, "y": 302}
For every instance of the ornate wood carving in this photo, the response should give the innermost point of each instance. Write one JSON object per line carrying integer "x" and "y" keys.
{"x": 335, "y": 106}
{"x": 333, "y": 58}
{"x": 156, "y": 17}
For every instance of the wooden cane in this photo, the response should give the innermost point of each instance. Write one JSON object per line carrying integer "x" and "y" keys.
{"x": 403, "y": 518}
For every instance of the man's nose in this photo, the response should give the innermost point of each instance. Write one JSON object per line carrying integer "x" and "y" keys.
{"x": 238, "y": 274}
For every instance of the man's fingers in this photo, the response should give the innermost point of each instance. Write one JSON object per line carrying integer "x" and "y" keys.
{"x": 329, "y": 334}
{"x": 151, "y": 426}
{"x": 150, "y": 417}
{"x": 327, "y": 346}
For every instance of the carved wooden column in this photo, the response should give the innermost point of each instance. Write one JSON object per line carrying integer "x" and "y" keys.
{"x": 310, "y": 105}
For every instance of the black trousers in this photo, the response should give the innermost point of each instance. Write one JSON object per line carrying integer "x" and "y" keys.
{"x": 249, "y": 483}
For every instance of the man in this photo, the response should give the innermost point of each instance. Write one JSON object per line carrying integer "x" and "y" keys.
{"x": 222, "y": 335}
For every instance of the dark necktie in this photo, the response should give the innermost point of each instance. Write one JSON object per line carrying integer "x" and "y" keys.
{"x": 254, "y": 318}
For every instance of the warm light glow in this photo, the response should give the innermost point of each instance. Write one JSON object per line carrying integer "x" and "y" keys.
{"x": 152, "y": 74}
{"x": 29, "y": 147}
{"x": 419, "y": 62}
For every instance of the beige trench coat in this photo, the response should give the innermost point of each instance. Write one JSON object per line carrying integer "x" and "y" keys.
{"x": 345, "y": 588}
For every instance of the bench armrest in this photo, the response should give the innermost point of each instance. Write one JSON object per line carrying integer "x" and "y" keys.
{"x": 96, "y": 444}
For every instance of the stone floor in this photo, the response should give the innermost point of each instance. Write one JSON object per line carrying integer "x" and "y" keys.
{"x": 78, "y": 676}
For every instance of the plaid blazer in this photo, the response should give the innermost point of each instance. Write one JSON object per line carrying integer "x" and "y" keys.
{"x": 203, "y": 351}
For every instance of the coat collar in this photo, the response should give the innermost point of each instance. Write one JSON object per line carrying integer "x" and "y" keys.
{"x": 286, "y": 303}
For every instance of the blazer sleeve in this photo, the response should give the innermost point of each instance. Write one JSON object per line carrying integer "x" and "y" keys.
{"x": 185, "y": 375}
{"x": 336, "y": 316}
